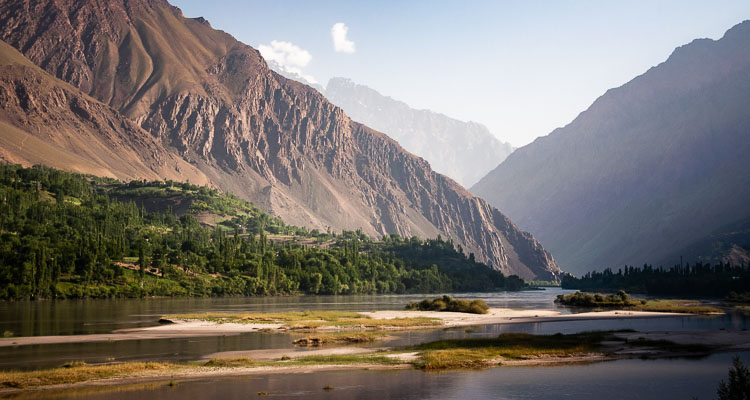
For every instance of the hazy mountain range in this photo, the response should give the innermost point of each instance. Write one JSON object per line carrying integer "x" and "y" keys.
{"x": 654, "y": 169}
{"x": 133, "y": 89}
{"x": 465, "y": 151}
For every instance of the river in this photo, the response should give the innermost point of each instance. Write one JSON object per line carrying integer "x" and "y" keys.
{"x": 661, "y": 379}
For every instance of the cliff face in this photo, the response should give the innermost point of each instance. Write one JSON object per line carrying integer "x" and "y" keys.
{"x": 465, "y": 151}
{"x": 46, "y": 121}
{"x": 213, "y": 101}
{"x": 649, "y": 169}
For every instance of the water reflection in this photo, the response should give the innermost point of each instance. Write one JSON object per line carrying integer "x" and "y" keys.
{"x": 625, "y": 379}
{"x": 104, "y": 316}
{"x": 74, "y": 317}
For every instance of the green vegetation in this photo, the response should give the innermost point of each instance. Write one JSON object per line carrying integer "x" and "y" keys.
{"x": 622, "y": 300}
{"x": 738, "y": 387}
{"x": 77, "y": 372}
{"x": 699, "y": 280}
{"x": 543, "y": 284}
{"x": 334, "y": 359}
{"x": 341, "y": 359}
{"x": 668, "y": 346}
{"x": 734, "y": 297}
{"x": 448, "y": 303}
{"x": 481, "y": 353}
{"x": 238, "y": 362}
{"x": 341, "y": 337}
{"x": 443, "y": 354}
{"x": 270, "y": 318}
{"x": 65, "y": 235}
{"x": 310, "y": 319}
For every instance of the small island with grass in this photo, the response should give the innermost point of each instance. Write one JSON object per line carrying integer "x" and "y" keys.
{"x": 449, "y": 304}
{"x": 622, "y": 300}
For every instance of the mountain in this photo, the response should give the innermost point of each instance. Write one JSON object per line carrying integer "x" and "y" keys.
{"x": 294, "y": 75}
{"x": 650, "y": 168}
{"x": 465, "y": 151}
{"x": 213, "y": 103}
{"x": 45, "y": 120}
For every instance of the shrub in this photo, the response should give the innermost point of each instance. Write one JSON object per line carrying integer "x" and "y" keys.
{"x": 448, "y": 303}
{"x": 738, "y": 386}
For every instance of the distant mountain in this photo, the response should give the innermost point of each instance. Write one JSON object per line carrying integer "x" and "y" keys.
{"x": 289, "y": 74}
{"x": 728, "y": 244}
{"x": 134, "y": 89}
{"x": 465, "y": 151}
{"x": 649, "y": 169}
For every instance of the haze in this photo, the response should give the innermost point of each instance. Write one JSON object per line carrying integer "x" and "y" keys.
{"x": 521, "y": 68}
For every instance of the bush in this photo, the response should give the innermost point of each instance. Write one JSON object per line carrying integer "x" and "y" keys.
{"x": 580, "y": 299}
{"x": 448, "y": 303}
{"x": 738, "y": 387}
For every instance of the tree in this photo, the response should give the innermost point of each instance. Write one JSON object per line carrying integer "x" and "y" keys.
{"x": 738, "y": 387}
{"x": 141, "y": 263}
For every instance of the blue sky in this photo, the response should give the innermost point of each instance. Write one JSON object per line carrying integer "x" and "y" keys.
{"x": 523, "y": 68}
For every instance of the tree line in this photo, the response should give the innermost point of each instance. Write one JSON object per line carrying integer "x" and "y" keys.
{"x": 65, "y": 235}
{"x": 697, "y": 280}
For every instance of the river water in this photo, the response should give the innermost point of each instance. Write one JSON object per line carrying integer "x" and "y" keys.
{"x": 661, "y": 379}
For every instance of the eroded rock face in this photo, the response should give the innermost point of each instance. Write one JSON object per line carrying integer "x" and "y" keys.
{"x": 281, "y": 144}
{"x": 44, "y": 120}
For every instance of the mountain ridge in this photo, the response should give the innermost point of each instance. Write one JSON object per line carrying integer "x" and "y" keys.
{"x": 214, "y": 102}
{"x": 647, "y": 169}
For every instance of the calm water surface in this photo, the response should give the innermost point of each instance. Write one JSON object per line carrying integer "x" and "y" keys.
{"x": 72, "y": 317}
{"x": 625, "y": 379}
{"x": 75, "y": 317}
{"x": 661, "y": 379}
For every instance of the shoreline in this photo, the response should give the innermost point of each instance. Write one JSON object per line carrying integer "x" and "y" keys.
{"x": 720, "y": 341}
{"x": 199, "y": 373}
{"x": 198, "y": 328}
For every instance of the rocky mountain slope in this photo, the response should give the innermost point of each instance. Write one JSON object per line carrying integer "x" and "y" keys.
{"x": 465, "y": 151}
{"x": 214, "y": 102}
{"x": 650, "y": 168}
{"x": 46, "y": 121}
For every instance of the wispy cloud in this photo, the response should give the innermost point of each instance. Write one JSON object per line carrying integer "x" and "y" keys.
{"x": 340, "y": 43}
{"x": 288, "y": 57}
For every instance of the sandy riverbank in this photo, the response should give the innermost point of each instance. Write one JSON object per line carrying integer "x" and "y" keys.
{"x": 511, "y": 316}
{"x": 196, "y": 328}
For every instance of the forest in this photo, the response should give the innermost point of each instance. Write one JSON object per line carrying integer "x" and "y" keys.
{"x": 697, "y": 280}
{"x": 65, "y": 235}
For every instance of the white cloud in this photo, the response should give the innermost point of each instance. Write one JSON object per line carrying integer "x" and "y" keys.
{"x": 288, "y": 57}
{"x": 340, "y": 43}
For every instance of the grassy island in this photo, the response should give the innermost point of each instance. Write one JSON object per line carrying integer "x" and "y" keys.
{"x": 310, "y": 320}
{"x": 622, "y": 300}
{"x": 507, "y": 349}
{"x": 448, "y": 303}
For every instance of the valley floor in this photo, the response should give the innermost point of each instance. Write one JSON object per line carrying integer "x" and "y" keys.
{"x": 510, "y": 349}
{"x": 194, "y": 327}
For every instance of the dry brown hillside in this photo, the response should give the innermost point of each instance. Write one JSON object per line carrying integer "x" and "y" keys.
{"x": 214, "y": 101}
